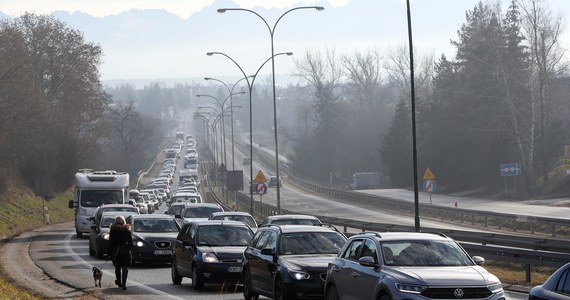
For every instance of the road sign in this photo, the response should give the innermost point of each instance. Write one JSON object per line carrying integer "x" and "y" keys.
{"x": 261, "y": 188}
{"x": 428, "y": 175}
{"x": 260, "y": 177}
{"x": 511, "y": 169}
{"x": 429, "y": 186}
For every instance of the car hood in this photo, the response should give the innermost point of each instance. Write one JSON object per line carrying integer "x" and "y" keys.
{"x": 225, "y": 252}
{"x": 463, "y": 275}
{"x": 307, "y": 260}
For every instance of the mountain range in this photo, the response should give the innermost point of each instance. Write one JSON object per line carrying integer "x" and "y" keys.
{"x": 157, "y": 44}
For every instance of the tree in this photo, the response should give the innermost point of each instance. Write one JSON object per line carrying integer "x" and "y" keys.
{"x": 323, "y": 74}
{"x": 70, "y": 99}
{"x": 542, "y": 31}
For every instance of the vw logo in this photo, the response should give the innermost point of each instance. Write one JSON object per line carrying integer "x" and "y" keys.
{"x": 458, "y": 293}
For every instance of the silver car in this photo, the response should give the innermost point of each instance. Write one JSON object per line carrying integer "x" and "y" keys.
{"x": 407, "y": 265}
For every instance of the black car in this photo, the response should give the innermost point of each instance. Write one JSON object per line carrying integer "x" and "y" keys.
{"x": 210, "y": 251}
{"x": 556, "y": 287}
{"x": 153, "y": 237}
{"x": 99, "y": 234}
{"x": 289, "y": 261}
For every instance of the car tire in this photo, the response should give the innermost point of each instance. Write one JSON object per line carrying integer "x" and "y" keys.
{"x": 332, "y": 293}
{"x": 91, "y": 250}
{"x": 77, "y": 233}
{"x": 385, "y": 297}
{"x": 176, "y": 277}
{"x": 197, "y": 282}
{"x": 248, "y": 293}
{"x": 280, "y": 292}
{"x": 98, "y": 252}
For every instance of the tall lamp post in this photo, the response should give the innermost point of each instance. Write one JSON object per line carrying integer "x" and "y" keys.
{"x": 222, "y": 108}
{"x": 413, "y": 96}
{"x": 230, "y": 91}
{"x": 250, "y": 88}
{"x": 271, "y": 33}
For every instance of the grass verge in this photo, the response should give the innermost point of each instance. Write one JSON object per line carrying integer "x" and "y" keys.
{"x": 21, "y": 211}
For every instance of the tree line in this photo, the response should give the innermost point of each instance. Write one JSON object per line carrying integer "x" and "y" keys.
{"x": 56, "y": 116}
{"x": 503, "y": 99}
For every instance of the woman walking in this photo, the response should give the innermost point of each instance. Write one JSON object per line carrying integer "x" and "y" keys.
{"x": 120, "y": 243}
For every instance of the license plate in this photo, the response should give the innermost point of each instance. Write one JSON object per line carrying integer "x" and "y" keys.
{"x": 234, "y": 269}
{"x": 162, "y": 252}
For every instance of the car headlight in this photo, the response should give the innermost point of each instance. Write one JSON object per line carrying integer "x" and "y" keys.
{"x": 139, "y": 243}
{"x": 410, "y": 288}
{"x": 82, "y": 212}
{"x": 209, "y": 258}
{"x": 105, "y": 236}
{"x": 299, "y": 275}
{"x": 495, "y": 288}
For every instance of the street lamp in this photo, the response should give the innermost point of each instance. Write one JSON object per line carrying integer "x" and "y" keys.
{"x": 271, "y": 33}
{"x": 250, "y": 88}
{"x": 230, "y": 91}
{"x": 413, "y": 96}
{"x": 222, "y": 108}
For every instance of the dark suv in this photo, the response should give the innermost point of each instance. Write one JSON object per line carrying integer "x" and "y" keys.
{"x": 210, "y": 251}
{"x": 406, "y": 265}
{"x": 289, "y": 261}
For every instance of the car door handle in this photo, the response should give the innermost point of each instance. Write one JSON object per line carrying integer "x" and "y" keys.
{"x": 354, "y": 274}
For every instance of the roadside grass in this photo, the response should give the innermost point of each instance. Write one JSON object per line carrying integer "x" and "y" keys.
{"x": 8, "y": 291}
{"x": 511, "y": 273}
{"x": 21, "y": 211}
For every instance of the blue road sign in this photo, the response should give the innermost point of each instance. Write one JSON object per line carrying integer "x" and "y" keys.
{"x": 511, "y": 169}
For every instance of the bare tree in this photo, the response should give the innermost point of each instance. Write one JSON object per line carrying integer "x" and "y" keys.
{"x": 542, "y": 32}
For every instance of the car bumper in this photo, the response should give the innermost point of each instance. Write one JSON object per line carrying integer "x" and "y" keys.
{"x": 151, "y": 256}
{"x": 220, "y": 272}
{"x": 305, "y": 289}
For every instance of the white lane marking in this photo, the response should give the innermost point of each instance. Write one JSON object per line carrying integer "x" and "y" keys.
{"x": 87, "y": 265}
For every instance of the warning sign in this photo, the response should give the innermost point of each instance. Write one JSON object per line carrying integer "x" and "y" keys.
{"x": 428, "y": 175}
{"x": 260, "y": 177}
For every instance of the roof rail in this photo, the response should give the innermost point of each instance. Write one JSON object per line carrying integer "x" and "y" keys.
{"x": 377, "y": 234}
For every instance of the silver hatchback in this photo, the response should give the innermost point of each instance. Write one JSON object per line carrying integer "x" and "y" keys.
{"x": 406, "y": 265}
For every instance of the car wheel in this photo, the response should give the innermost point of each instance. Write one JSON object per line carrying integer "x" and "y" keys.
{"x": 332, "y": 293}
{"x": 98, "y": 252}
{"x": 248, "y": 293}
{"x": 280, "y": 290}
{"x": 176, "y": 277}
{"x": 385, "y": 297}
{"x": 91, "y": 250}
{"x": 197, "y": 282}
{"x": 77, "y": 233}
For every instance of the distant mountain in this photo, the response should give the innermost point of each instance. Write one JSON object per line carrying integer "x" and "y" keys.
{"x": 158, "y": 44}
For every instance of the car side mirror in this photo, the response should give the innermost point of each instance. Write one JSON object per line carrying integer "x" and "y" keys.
{"x": 71, "y": 204}
{"x": 267, "y": 251}
{"x": 478, "y": 260}
{"x": 94, "y": 227}
{"x": 367, "y": 261}
{"x": 178, "y": 216}
{"x": 188, "y": 243}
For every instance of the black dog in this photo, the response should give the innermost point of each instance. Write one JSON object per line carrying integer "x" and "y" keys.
{"x": 97, "y": 275}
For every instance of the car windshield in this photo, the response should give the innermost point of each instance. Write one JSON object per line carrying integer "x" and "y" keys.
{"x": 244, "y": 219}
{"x": 311, "y": 243}
{"x": 296, "y": 222}
{"x": 220, "y": 235}
{"x": 94, "y": 198}
{"x": 424, "y": 253}
{"x": 200, "y": 212}
{"x": 107, "y": 222}
{"x": 155, "y": 225}
{"x": 175, "y": 210}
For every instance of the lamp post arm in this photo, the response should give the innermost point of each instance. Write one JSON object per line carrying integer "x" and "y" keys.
{"x": 235, "y": 63}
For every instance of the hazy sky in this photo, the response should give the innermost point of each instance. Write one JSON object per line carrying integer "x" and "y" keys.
{"x": 100, "y": 8}
{"x": 433, "y": 30}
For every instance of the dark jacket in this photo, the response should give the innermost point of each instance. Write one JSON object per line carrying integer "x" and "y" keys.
{"x": 120, "y": 235}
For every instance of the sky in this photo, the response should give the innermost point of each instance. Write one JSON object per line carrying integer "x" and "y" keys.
{"x": 433, "y": 31}
{"x": 101, "y": 8}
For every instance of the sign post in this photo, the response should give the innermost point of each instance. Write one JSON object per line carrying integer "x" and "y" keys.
{"x": 508, "y": 170}
{"x": 429, "y": 183}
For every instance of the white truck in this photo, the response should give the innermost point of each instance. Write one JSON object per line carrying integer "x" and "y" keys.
{"x": 95, "y": 188}
{"x": 365, "y": 180}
